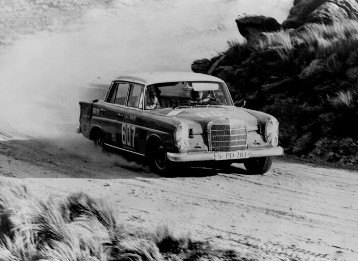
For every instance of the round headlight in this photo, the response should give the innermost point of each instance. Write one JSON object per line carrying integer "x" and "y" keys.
{"x": 271, "y": 131}
{"x": 181, "y": 137}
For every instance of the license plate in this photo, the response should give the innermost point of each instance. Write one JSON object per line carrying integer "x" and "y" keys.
{"x": 231, "y": 155}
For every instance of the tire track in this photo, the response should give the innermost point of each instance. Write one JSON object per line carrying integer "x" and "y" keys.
{"x": 276, "y": 250}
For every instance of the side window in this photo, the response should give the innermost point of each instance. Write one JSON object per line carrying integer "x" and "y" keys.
{"x": 111, "y": 96}
{"x": 122, "y": 92}
{"x": 135, "y": 96}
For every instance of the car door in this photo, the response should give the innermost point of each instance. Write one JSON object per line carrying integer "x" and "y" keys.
{"x": 132, "y": 132}
{"x": 120, "y": 117}
{"x": 111, "y": 111}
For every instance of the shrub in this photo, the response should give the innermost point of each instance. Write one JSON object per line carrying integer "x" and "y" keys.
{"x": 345, "y": 108}
{"x": 236, "y": 53}
{"x": 304, "y": 77}
{"x": 335, "y": 150}
{"x": 168, "y": 243}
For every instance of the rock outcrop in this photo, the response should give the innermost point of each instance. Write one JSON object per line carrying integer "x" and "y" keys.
{"x": 320, "y": 11}
{"x": 252, "y": 25}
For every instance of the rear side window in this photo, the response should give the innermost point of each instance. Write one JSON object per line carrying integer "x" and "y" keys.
{"x": 119, "y": 92}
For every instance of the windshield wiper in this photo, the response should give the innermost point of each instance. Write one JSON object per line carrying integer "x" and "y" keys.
{"x": 181, "y": 107}
{"x": 198, "y": 105}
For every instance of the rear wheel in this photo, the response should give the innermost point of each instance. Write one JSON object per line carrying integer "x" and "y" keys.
{"x": 258, "y": 165}
{"x": 98, "y": 140}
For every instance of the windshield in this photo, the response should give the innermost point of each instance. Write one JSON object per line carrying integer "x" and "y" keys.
{"x": 178, "y": 94}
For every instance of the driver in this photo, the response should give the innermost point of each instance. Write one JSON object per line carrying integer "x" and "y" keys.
{"x": 152, "y": 99}
{"x": 198, "y": 97}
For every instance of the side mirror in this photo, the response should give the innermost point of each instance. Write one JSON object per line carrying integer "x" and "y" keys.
{"x": 241, "y": 104}
{"x": 94, "y": 101}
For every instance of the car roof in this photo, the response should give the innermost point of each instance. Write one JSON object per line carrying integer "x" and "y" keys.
{"x": 148, "y": 78}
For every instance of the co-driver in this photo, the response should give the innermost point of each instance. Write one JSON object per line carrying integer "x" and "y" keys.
{"x": 198, "y": 97}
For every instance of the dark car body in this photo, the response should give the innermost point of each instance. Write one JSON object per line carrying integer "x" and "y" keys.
{"x": 180, "y": 130}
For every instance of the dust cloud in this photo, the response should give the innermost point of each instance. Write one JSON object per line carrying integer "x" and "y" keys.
{"x": 43, "y": 76}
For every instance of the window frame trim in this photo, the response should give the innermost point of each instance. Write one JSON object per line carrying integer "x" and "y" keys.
{"x": 132, "y": 84}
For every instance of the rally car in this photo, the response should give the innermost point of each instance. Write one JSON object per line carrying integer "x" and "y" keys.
{"x": 180, "y": 117}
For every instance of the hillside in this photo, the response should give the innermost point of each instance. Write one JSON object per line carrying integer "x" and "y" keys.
{"x": 306, "y": 77}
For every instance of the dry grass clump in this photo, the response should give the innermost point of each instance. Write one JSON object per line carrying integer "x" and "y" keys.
{"x": 312, "y": 41}
{"x": 275, "y": 40}
{"x": 345, "y": 100}
{"x": 81, "y": 205}
{"x": 168, "y": 243}
{"x": 82, "y": 228}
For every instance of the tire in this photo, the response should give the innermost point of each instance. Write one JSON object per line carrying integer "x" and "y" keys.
{"x": 258, "y": 165}
{"x": 158, "y": 161}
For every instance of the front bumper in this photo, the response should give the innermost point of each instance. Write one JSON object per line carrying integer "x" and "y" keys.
{"x": 210, "y": 155}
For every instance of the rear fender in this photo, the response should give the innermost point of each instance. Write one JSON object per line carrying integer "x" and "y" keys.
{"x": 86, "y": 109}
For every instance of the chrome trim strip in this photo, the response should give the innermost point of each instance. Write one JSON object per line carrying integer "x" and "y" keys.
{"x": 145, "y": 128}
{"x": 218, "y": 140}
{"x": 137, "y": 126}
{"x": 210, "y": 155}
{"x": 118, "y": 148}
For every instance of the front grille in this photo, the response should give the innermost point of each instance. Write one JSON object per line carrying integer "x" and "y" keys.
{"x": 227, "y": 135}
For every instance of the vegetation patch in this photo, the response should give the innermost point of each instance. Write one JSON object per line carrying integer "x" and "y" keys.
{"x": 307, "y": 78}
{"x": 82, "y": 228}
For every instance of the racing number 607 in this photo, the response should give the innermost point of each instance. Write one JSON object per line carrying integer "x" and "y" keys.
{"x": 128, "y": 131}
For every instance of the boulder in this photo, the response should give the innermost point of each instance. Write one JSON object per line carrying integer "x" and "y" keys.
{"x": 201, "y": 66}
{"x": 252, "y": 25}
{"x": 320, "y": 11}
{"x": 300, "y": 11}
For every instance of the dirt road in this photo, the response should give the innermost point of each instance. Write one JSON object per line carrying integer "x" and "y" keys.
{"x": 294, "y": 212}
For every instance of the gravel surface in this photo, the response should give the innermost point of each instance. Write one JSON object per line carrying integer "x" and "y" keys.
{"x": 293, "y": 212}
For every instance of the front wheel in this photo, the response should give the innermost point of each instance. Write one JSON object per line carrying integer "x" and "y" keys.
{"x": 158, "y": 160}
{"x": 258, "y": 165}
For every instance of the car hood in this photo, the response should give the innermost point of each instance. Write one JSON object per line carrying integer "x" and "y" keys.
{"x": 199, "y": 117}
